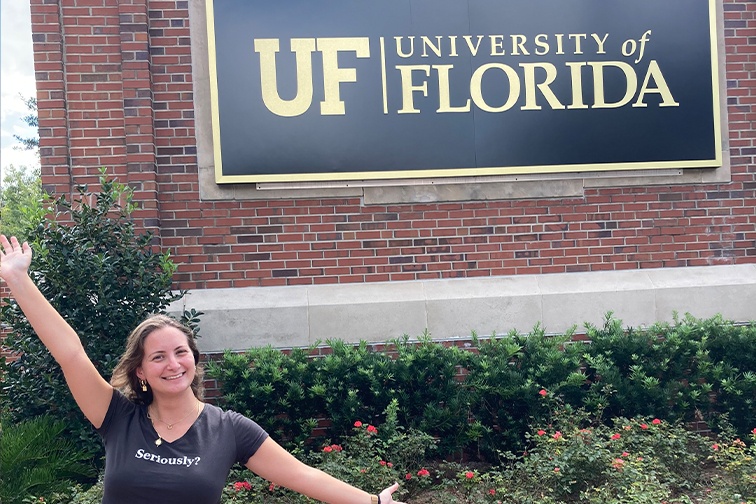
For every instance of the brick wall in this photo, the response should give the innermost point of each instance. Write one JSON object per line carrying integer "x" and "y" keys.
{"x": 115, "y": 90}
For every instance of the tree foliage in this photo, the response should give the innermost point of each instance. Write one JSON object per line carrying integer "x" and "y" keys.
{"x": 32, "y": 120}
{"x": 21, "y": 202}
{"x": 104, "y": 278}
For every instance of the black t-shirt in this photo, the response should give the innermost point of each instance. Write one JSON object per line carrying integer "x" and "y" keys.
{"x": 192, "y": 469}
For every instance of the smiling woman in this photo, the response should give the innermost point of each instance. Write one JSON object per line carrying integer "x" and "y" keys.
{"x": 163, "y": 444}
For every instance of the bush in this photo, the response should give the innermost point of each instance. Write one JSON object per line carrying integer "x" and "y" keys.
{"x": 506, "y": 377}
{"x": 104, "y": 279}
{"x": 481, "y": 400}
{"x": 37, "y": 459}
{"x": 689, "y": 370}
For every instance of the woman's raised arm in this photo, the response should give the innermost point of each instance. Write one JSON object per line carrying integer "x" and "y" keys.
{"x": 90, "y": 390}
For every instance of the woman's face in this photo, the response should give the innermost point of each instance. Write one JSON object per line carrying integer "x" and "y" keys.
{"x": 168, "y": 363}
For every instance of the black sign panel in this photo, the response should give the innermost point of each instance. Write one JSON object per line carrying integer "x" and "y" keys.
{"x": 312, "y": 90}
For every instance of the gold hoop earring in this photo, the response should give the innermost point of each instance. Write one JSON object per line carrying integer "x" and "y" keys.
{"x": 144, "y": 385}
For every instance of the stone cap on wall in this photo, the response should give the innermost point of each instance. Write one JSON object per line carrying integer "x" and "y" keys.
{"x": 299, "y": 316}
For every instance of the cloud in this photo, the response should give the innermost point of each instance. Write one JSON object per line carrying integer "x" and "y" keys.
{"x": 16, "y": 74}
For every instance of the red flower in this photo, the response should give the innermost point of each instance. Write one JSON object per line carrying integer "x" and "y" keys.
{"x": 242, "y": 485}
{"x": 644, "y": 426}
{"x": 336, "y": 447}
{"x": 754, "y": 430}
{"x": 469, "y": 475}
{"x": 543, "y": 393}
{"x": 541, "y": 432}
{"x": 328, "y": 449}
{"x": 423, "y": 472}
{"x": 625, "y": 454}
{"x": 408, "y": 476}
{"x": 656, "y": 421}
{"x": 272, "y": 487}
{"x": 382, "y": 462}
{"x": 372, "y": 429}
{"x": 358, "y": 424}
{"x": 491, "y": 491}
{"x": 616, "y": 436}
{"x": 715, "y": 447}
{"x": 557, "y": 435}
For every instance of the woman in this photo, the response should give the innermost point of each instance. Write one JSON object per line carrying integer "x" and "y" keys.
{"x": 162, "y": 443}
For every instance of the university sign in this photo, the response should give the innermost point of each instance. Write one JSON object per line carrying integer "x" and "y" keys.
{"x": 314, "y": 90}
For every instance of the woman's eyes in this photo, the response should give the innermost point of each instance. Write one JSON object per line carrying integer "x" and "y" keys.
{"x": 178, "y": 352}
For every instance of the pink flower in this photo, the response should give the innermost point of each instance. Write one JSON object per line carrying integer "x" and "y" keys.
{"x": 715, "y": 447}
{"x": 618, "y": 463}
{"x": 358, "y": 424}
{"x": 541, "y": 432}
{"x": 754, "y": 430}
{"x": 389, "y": 464}
{"x": 625, "y": 454}
{"x": 556, "y": 469}
{"x": 557, "y": 435}
{"x": 469, "y": 475}
{"x": 272, "y": 487}
{"x": 644, "y": 426}
{"x": 491, "y": 491}
{"x": 382, "y": 462}
{"x": 543, "y": 393}
{"x": 616, "y": 436}
{"x": 656, "y": 421}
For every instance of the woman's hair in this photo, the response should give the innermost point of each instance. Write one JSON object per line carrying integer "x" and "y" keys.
{"x": 124, "y": 376}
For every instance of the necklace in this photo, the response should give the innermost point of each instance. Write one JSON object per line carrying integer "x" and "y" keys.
{"x": 159, "y": 439}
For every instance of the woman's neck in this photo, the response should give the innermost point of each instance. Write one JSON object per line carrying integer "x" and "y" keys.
{"x": 171, "y": 408}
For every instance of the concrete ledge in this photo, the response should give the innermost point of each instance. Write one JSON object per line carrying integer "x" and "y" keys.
{"x": 300, "y": 316}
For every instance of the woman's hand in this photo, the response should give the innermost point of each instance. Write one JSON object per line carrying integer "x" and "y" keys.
{"x": 385, "y": 495}
{"x": 15, "y": 258}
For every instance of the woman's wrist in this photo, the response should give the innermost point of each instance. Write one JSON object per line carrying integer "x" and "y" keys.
{"x": 375, "y": 499}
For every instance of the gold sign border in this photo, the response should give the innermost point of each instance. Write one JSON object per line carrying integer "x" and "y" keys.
{"x": 457, "y": 172}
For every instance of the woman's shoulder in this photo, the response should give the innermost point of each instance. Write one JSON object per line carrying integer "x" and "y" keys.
{"x": 216, "y": 413}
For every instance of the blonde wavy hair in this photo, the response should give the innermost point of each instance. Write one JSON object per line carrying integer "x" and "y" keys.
{"x": 124, "y": 376}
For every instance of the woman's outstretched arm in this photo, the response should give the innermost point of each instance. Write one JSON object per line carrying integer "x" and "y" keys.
{"x": 278, "y": 466}
{"x": 90, "y": 390}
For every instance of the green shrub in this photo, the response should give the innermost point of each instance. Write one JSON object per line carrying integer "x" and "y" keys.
{"x": 36, "y": 458}
{"x": 480, "y": 400}
{"x": 431, "y": 396}
{"x": 689, "y": 370}
{"x": 104, "y": 279}
{"x": 506, "y": 377}
{"x": 273, "y": 388}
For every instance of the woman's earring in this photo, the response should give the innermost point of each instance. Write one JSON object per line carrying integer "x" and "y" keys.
{"x": 144, "y": 385}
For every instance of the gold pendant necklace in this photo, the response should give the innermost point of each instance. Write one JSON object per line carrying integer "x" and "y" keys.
{"x": 159, "y": 439}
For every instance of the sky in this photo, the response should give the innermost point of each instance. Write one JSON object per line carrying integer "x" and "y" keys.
{"x": 16, "y": 77}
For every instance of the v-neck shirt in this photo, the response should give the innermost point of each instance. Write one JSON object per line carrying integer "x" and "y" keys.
{"x": 193, "y": 468}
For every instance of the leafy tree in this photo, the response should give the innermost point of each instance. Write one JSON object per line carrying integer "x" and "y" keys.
{"x": 104, "y": 279}
{"x": 21, "y": 207}
{"x": 31, "y": 119}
